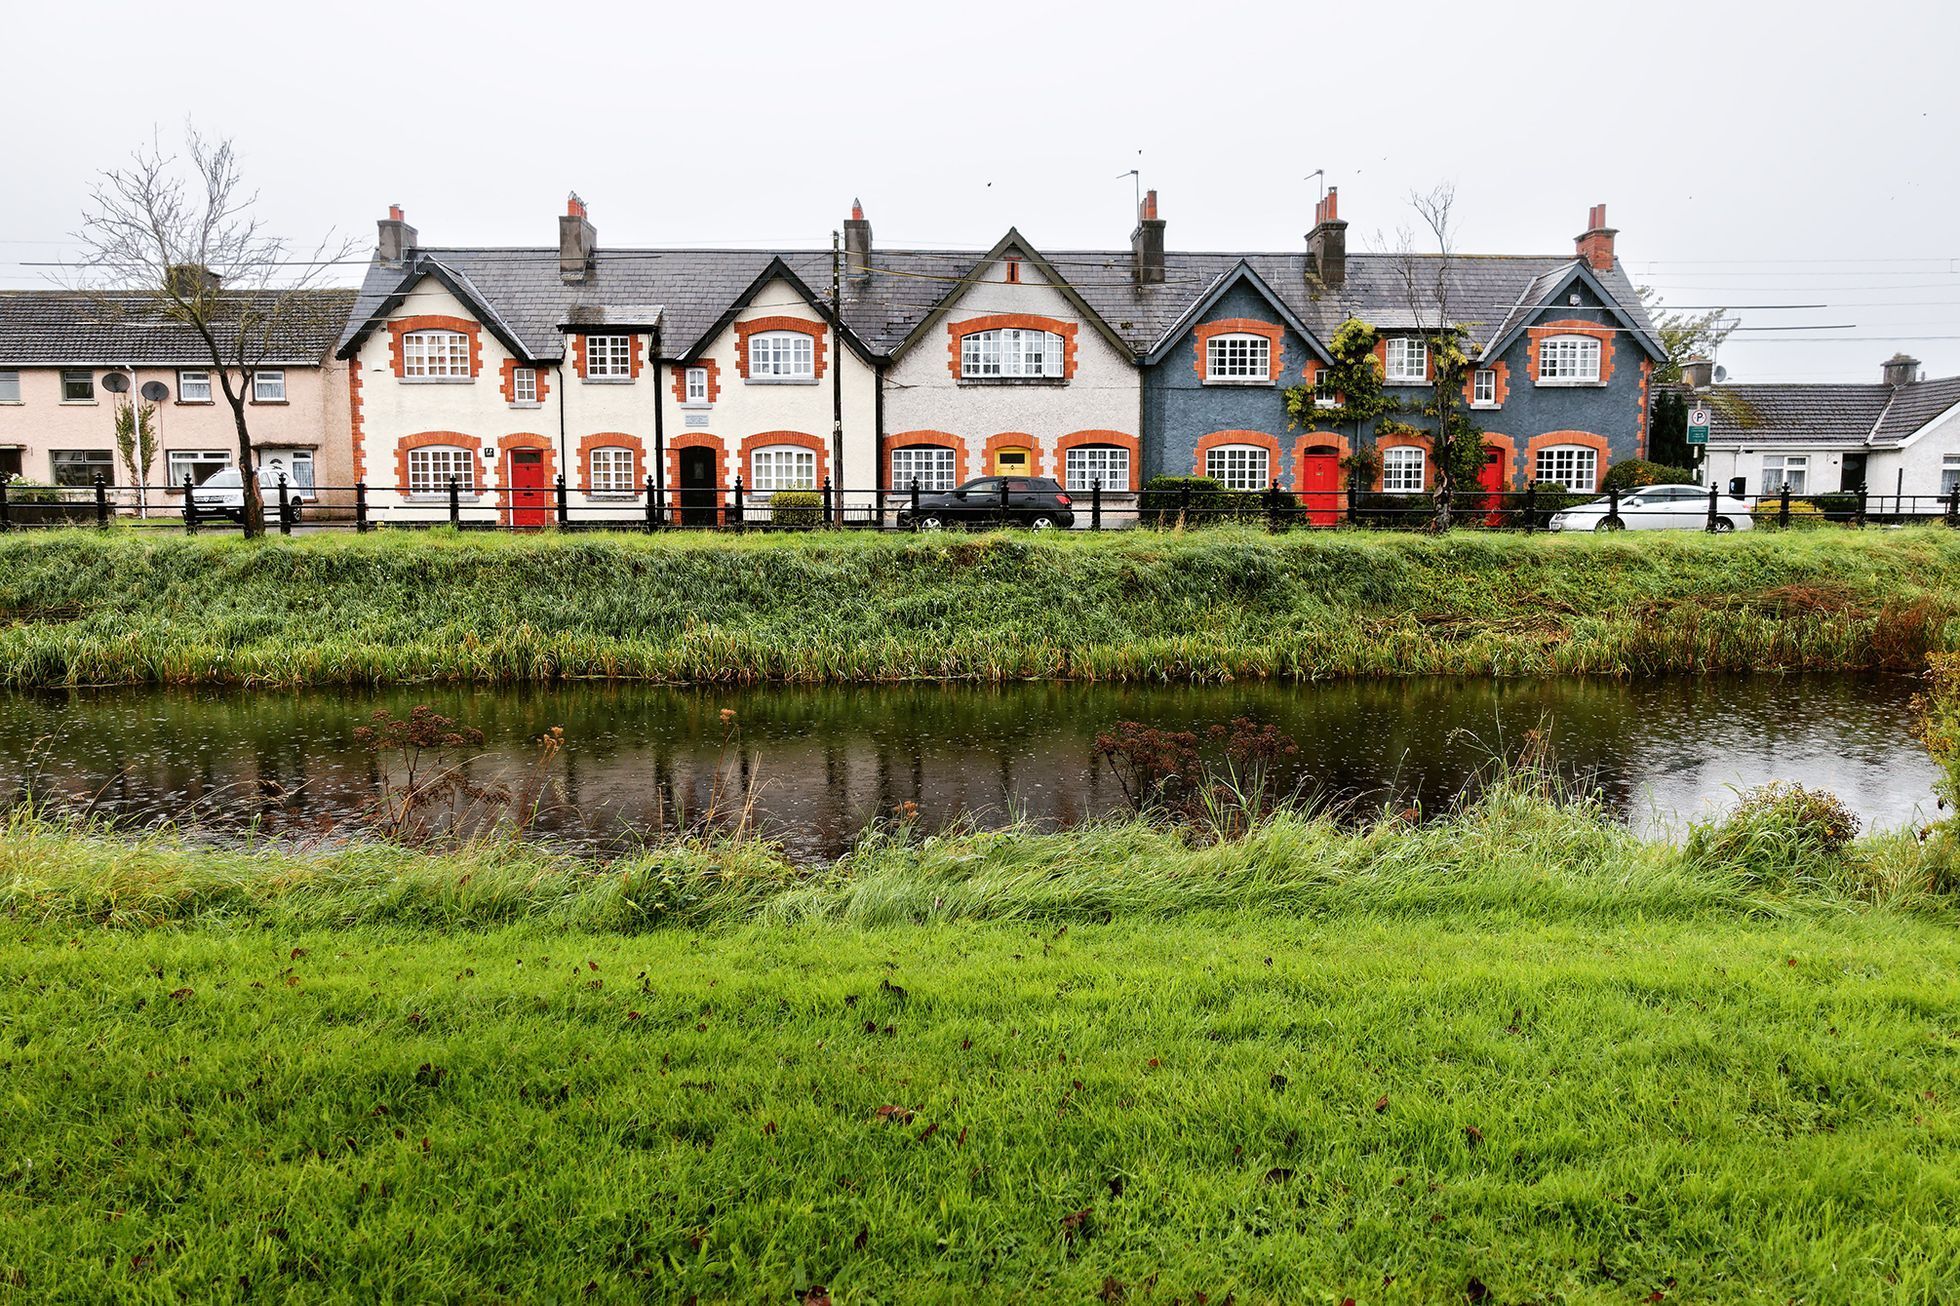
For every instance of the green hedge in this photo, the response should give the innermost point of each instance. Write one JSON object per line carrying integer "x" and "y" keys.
{"x": 800, "y": 508}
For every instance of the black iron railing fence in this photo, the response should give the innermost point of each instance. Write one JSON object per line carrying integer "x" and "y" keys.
{"x": 650, "y": 507}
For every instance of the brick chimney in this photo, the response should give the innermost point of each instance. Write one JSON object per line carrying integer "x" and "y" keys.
{"x": 397, "y": 237}
{"x": 1327, "y": 242}
{"x": 1596, "y": 244}
{"x": 857, "y": 243}
{"x": 1147, "y": 242}
{"x": 190, "y": 280}
{"x": 578, "y": 241}
{"x": 1698, "y": 372}
{"x": 1901, "y": 369}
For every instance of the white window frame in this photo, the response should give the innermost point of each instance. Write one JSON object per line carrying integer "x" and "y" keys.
{"x": 1791, "y": 468}
{"x": 609, "y": 358}
{"x": 1405, "y": 469}
{"x": 1324, "y": 393}
{"x": 934, "y": 465}
{"x": 783, "y": 467}
{"x": 296, "y": 460}
{"x": 1574, "y": 467}
{"x": 609, "y": 469}
{"x": 1084, "y": 464}
{"x": 1407, "y": 361}
{"x": 524, "y": 386}
{"x": 1569, "y": 360}
{"x": 431, "y": 466}
{"x": 782, "y": 356}
{"x": 1949, "y": 474}
{"x": 1012, "y": 354}
{"x": 269, "y": 385}
{"x": 9, "y": 385}
{"x": 177, "y": 462}
{"x": 436, "y": 354}
{"x": 194, "y": 387}
{"x": 695, "y": 387}
{"x": 1483, "y": 388}
{"x": 77, "y": 376}
{"x": 1239, "y": 466}
{"x": 1239, "y": 357}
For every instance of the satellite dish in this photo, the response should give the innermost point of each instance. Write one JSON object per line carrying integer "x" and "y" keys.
{"x": 155, "y": 391}
{"x": 115, "y": 383}
{"x": 1721, "y": 374}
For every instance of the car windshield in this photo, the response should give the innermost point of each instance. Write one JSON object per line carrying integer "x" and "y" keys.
{"x": 223, "y": 480}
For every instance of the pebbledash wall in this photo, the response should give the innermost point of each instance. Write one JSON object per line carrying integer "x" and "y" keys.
{"x": 576, "y": 416}
{"x": 1094, "y": 403}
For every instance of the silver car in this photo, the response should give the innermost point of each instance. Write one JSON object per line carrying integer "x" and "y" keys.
{"x": 223, "y": 494}
{"x": 1656, "y": 508}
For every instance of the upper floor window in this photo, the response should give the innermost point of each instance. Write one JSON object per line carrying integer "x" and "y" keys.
{"x": 608, "y": 358}
{"x": 1085, "y": 465}
{"x": 697, "y": 385}
{"x": 1404, "y": 469}
{"x": 1573, "y": 466}
{"x": 784, "y": 467}
{"x": 611, "y": 470}
{"x": 782, "y": 354}
{"x": 432, "y": 467}
{"x": 1483, "y": 387}
{"x": 269, "y": 387}
{"x": 9, "y": 385}
{"x": 524, "y": 385}
{"x": 1408, "y": 360}
{"x": 1238, "y": 358}
{"x": 78, "y": 387}
{"x": 1324, "y": 394}
{"x": 1573, "y": 360}
{"x": 1011, "y": 352}
{"x": 1238, "y": 466}
{"x": 930, "y": 465}
{"x": 193, "y": 387}
{"x": 435, "y": 355}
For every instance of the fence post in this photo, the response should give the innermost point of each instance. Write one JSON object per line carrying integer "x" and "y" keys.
{"x": 1354, "y": 496}
{"x": 1952, "y": 505}
{"x": 190, "y": 507}
{"x": 827, "y": 519}
{"x": 1863, "y": 493}
{"x": 1530, "y": 506}
{"x": 6, "y": 520}
{"x": 1613, "y": 506}
{"x": 652, "y": 508}
{"x": 101, "y": 500}
{"x": 1095, "y": 504}
{"x": 1783, "y": 507}
{"x": 1272, "y": 506}
{"x": 285, "y": 508}
{"x": 1003, "y": 501}
{"x": 1713, "y": 507}
{"x": 360, "y": 508}
{"x": 659, "y": 506}
{"x": 455, "y": 504}
{"x": 915, "y": 503}
{"x": 741, "y": 513}
{"x": 1184, "y": 504}
{"x": 558, "y": 489}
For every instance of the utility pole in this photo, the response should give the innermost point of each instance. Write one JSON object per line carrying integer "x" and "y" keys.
{"x": 837, "y": 374}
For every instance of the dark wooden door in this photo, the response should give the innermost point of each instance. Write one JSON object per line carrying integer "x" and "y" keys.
{"x": 697, "y": 487}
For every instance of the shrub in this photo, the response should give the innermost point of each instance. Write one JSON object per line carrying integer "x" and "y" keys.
{"x": 1632, "y": 473}
{"x": 1405, "y": 510}
{"x": 1838, "y": 506}
{"x": 1803, "y": 513}
{"x": 799, "y": 508}
{"x": 21, "y": 490}
{"x": 1778, "y": 834}
{"x": 1210, "y": 503}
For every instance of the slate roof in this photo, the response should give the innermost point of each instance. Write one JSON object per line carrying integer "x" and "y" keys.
{"x": 694, "y": 288}
{"x": 65, "y": 328}
{"x": 1914, "y": 405}
{"x": 1804, "y": 412}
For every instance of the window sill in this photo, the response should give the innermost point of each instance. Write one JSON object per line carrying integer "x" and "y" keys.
{"x": 779, "y": 380}
{"x": 437, "y": 380}
{"x": 1240, "y": 381}
{"x": 78, "y": 403}
{"x": 442, "y": 496}
{"x": 1046, "y": 381}
{"x": 607, "y": 380}
{"x": 1571, "y": 385}
{"x": 13, "y": 403}
{"x": 269, "y": 403}
{"x": 1485, "y": 408}
{"x": 526, "y": 403}
{"x": 196, "y": 403}
{"x": 1405, "y": 380}
{"x": 699, "y": 406}
{"x": 612, "y": 496}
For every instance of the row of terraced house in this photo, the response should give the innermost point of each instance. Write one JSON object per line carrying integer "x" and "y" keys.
{"x": 501, "y": 370}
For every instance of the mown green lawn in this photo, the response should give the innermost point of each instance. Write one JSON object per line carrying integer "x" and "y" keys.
{"x": 1417, "y": 1106}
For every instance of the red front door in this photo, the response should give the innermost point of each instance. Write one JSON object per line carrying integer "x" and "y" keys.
{"x": 530, "y": 498}
{"x": 1320, "y": 486}
{"x": 1491, "y": 478}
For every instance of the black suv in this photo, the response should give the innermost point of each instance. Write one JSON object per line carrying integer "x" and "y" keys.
{"x": 1032, "y": 501}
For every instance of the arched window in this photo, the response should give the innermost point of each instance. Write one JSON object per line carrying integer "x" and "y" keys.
{"x": 1009, "y": 352}
{"x": 435, "y": 355}
{"x": 431, "y": 468}
{"x": 1086, "y": 464}
{"x": 1404, "y": 469}
{"x": 1238, "y": 357}
{"x": 1573, "y": 466}
{"x": 610, "y": 470}
{"x": 783, "y": 467}
{"x": 1568, "y": 360}
{"x": 1239, "y": 466}
{"x": 782, "y": 355}
{"x": 931, "y": 465}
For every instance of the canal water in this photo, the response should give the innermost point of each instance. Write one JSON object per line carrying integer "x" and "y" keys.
{"x": 821, "y": 763}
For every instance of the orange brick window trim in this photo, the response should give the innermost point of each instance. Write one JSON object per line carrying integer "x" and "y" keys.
{"x": 1273, "y": 332}
{"x": 635, "y": 352}
{"x": 427, "y": 439}
{"x": 957, "y": 332}
{"x": 1571, "y": 327}
{"x": 1500, "y": 379}
{"x": 1552, "y": 439}
{"x": 1257, "y": 439}
{"x": 1428, "y": 358}
{"x": 1119, "y": 439}
{"x": 935, "y": 439}
{"x": 1010, "y": 440}
{"x": 810, "y": 327}
{"x": 355, "y": 430}
{"x": 769, "y": 439}
{"x": 401, "y": 326}
{"x": 708, "y": 365}
{"x": 1422, "y": 442}
{"x": 509, "y": 382}
{"x": 610, "y": 440}
{"x": 694, "y": 440}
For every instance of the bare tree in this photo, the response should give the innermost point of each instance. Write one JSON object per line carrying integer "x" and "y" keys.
{"x": 1426, "y": 284}
{"x": 178, "y": 238}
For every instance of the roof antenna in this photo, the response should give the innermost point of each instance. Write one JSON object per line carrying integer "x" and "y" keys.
{"x": 1322, "y": 174}
{"x": 1137, "y": 177}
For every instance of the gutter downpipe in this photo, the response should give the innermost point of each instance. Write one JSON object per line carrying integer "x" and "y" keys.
{"x": 660, "y": 426}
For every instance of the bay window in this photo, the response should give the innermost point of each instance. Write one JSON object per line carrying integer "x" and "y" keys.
{"x": 1238, "y": 466}
{"x": 928, "y": 464}
{"x": 1011, "y": 352}
{"x": 1404, "y": 470}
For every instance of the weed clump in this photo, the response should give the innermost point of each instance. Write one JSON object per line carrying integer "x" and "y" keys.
{"x": 1779, "y": 836}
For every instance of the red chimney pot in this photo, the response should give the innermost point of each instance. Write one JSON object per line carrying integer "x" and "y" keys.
{"x": 394, "y": 213}
{"x": 1149, "y": 205}
{"x": 857, "y": 211}
{"x": 574, "y": 207}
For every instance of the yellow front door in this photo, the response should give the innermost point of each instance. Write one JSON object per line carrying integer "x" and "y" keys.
{"x": 1011, "y": 462}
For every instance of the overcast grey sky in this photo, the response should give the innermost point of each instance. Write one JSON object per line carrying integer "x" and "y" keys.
{"x": 1796, "y": 153}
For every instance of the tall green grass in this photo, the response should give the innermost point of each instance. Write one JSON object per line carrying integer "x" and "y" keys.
{"x": 80, "y": 607}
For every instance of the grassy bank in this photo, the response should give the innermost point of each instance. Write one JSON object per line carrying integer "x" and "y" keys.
{"x": 81, "y": 608}
{"x": 1516, "y": 1049}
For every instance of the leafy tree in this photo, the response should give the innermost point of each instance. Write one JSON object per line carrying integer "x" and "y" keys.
{"x": 136, "y": 445}
{"x": 1355, "y": 378}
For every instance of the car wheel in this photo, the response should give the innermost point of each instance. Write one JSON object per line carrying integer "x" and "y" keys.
{"x": 1609, "y": 524}
{"x": 931, "y": 521}
{"x": 1724, "y": 525}
{"x": 1041, "y": 521}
